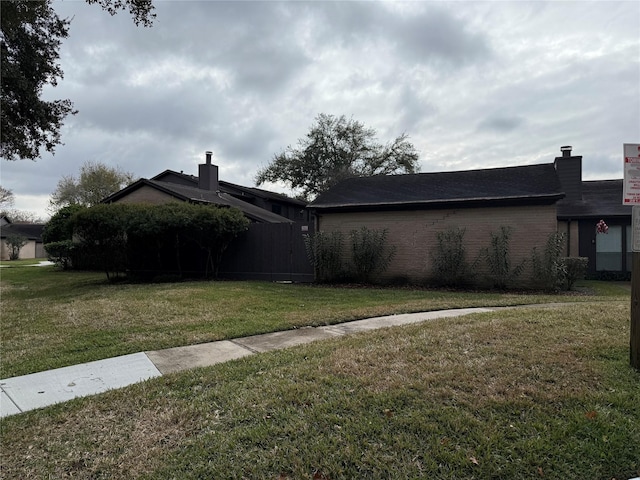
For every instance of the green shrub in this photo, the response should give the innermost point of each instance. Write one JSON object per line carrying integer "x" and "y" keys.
{"x": 549, "y": 271}
{"x": 60, "y": 226}
{"x": 370, "y": 253}
{"x": 324, "y": 250}
{"x": 498, "y": 259}
{"x": 147, "y": 241}
{"x": 61, "y": 253}
{"x": 449, "y": 260}
{"x": 575, "y": 269}
{"x": 101, "y": 233}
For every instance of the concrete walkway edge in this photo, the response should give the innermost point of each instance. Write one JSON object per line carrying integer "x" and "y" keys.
{"x": 38, "y": 390}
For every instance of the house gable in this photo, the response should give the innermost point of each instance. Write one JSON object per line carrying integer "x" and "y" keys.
{"x": 146, "y": 194}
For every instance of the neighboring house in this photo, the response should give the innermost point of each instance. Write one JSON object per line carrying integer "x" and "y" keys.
{"x": 31, "y": 231}
{"x": 258, "y": 205}
{"x": 585, "y": 204}
{"x": 534, "y": 200}
{"x": 291, "y": 208}
{"x": 272, "y": 248}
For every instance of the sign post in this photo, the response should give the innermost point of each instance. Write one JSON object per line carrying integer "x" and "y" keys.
{"x": 631, "y": 196}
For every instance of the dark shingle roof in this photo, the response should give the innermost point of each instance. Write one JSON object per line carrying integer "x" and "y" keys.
{"x": 170, "y": 176}
{"x": 33, "y": 231}
{"x": 600, "y": 198}
{"x": 258, "y": 192}
{"x": 532, "y": 183}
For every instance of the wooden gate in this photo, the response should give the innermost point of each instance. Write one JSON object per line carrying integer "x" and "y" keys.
{"x": 270, "y": 252}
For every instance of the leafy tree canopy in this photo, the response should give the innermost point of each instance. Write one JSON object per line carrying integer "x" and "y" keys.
{"x": 334, "y": 149}
{"x": 96, "y": 182}
{"x": 31, "y": 37}
{"x": 60, "y": 227}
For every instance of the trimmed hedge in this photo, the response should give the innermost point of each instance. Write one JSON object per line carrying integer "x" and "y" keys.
{"x": 149, "y": 241}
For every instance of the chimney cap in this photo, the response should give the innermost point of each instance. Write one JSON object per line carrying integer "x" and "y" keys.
{"x": 208, "y": 156}
{"x": 566, "y": 150}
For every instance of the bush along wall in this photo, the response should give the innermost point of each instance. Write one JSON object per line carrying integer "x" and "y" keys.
{"x": 549, "y": 270}
{"x": 575, "y": 269}
{"x": 370, "y": 255}
{"x": 502, "y": 273}
{"x": 145, "y": 242}
{"x": 324, "y": 250}
{"x": 369, "y": 252}
{"x": 450, "y": 265}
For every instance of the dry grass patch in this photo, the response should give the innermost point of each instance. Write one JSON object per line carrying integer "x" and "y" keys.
{"x": 520, "y": 354}
{"x": 97, "y": 441}
{"x": 520, "y": 393}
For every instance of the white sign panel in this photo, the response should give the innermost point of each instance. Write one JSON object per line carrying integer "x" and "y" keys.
{"x": 635, "y": 228}
{"x": 631, "y": 194}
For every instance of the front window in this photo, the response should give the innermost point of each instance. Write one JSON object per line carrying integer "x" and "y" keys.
{"x": 609, "y": 249}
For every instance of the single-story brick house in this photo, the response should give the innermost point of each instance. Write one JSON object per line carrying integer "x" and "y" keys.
{"x": 31, "y": 231}
{"x": 260, "y": 206}
{"x": 530, "y": 199}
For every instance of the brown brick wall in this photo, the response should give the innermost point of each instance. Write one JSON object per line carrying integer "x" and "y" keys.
{"x": 413, "y": 233}
{"x": 572, "y": 237}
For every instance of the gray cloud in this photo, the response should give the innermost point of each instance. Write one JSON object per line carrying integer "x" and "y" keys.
{"x": 473, "y": 84}
{"x": 430, "y": 33}
{"x": 501, "y": 124}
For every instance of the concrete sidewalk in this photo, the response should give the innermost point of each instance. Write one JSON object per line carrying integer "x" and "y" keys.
{"x": 37, "y": 390}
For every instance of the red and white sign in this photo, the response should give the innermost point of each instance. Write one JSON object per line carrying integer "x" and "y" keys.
{"x": 631, "y": 193}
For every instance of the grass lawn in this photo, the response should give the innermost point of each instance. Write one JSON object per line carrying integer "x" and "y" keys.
{"x": 524, "y": 393}
{"x": 52, "y": 318}
{"x": 21, "y": 262}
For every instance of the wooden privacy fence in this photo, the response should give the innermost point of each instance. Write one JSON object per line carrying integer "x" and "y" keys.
{"x": 269, "y": 251}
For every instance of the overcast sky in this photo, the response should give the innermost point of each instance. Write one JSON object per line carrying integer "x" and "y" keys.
{"x": 473, "y": 84}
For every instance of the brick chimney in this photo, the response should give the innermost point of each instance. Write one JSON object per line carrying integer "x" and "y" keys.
{"x": 208, "y": 175}
{"x": 569, "y": 170}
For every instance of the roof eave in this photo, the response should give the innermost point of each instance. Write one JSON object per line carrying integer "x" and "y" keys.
{"x": 452, "y": 203}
